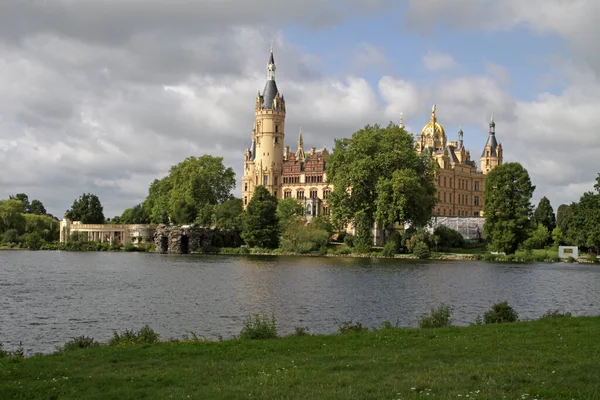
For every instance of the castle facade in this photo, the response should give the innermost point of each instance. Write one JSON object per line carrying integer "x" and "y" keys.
{"x": 302, "y": 175}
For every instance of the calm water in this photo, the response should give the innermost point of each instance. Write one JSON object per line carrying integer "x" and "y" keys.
{"x": 46, "y": 298}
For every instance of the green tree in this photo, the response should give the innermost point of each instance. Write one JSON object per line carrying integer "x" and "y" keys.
{"x": 86, "y": 209}
{"x": 378, "y": 173}
{"x": 557, "y": 237}
{"x": 261, "y": 226}
{"x": 288, "y": 212}
{"x": 37, "y": 207}
{"x": 11, "y": 216}
{"x": 597, "y": 184}
{"x": 584, "y": 226}
{"x": 507, "y": 208}
{"x": 563, "y": 216}
{"x": 544, "y": 214}
{"x": 190, "y": 185}
{"x": 24, "y": 199}
{"x": 229, "y": 214}
{"x": 134, "y": 215}
{"x": 205, "y": 215}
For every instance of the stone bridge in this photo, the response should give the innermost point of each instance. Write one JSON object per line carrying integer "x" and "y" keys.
{"x": 190, "y": 238}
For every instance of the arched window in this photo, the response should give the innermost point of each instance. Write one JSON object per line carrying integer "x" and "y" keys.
{"x": 309, "y": 209}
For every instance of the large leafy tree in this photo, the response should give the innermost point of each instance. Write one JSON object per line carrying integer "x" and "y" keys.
{"x": 584, "y": 228}
{"x": 134, "y": 215}
{"x": 507, "y": 208}
{"x": 378, "y": 174}
{"x": 563, "y": 216}
{"x": 11, "y": 216}
{"x": 86, "y": 209}
{"x": 544, "y": 214}
{"x": 24, "y": 199}
{"x": 37, "y": 207}
{"x": 189, "y": 187}
{"x": 288, "y": 212}
{"x": 229, "y": 214}
{"x": 260, "y": 225}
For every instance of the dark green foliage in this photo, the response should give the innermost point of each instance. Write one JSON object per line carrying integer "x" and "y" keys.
{"x": 300, "y": 331}
{"x": 544, "y": 214}
{"x": 584, "y": 227}
{"x": 260, "y": 223}
{"x": 80, "y": 342}
{"x": 378, "y": 173}
{"x": 389, "y": 250}
{"x": 33, "y": 241}
{"x": 448, "y": 238}
{"x": 438, "y": 318}
{"x": 349, "y": 327}
{"x": 421, "y": 251}
{"x": 597, "y": 184}
{"x": 363, "y": 241}
{"x": 205, "y": 215}
{"x": 349, "y": 240}
{"x": 303, "y": 238}
{"x": 228, "y": 214}
{"x": 289, "y": 211}
{"x": 500, "y": 313}
{"x": 134, "y": 215}
{"x": 86, "y": 209}
{"x": 37, "y": 208}
{"x": 259, "y": 327}
{"x": 538, "y": 239}
{"x": 507, "y": 208}
{"x": 190, "y": 185}
{"x": 563, "y": 219}
{"x": 24, "y": 199}
{"x": 146, "y": 335}
{"x": 556, "y": 314}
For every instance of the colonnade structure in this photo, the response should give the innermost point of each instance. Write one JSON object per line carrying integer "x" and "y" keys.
{"x": 110, "y": 233}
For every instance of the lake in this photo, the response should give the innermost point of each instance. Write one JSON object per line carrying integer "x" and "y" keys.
{"x": 47, "y": 298}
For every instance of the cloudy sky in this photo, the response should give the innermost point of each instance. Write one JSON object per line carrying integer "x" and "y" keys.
{"x": 103, "y": 96}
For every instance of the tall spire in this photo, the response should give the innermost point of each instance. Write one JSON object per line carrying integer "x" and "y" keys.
{"x": 492, "y": 125}
{"x": 300, "y": 140}
{"x": 401, "y": 125}
{"x": 433, "y": 113}
{"x": 271, "y": 66}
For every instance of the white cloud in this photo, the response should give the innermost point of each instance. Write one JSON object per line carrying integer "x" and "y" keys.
{"x": 437, "y": 61}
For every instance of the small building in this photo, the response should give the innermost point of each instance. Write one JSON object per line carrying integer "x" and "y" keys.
{"x": 110, "y": 233}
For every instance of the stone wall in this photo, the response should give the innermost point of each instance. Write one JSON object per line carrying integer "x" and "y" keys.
{"x": 189, "y": 239}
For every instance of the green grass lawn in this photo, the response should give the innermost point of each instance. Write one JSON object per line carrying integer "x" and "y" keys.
{"x": 547, "y": 359}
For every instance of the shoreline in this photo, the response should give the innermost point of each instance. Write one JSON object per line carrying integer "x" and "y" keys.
{"x": 433, "y": 257}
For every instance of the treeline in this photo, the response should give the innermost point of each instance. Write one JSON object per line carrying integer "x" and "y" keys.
{"x": 26, "y": 224}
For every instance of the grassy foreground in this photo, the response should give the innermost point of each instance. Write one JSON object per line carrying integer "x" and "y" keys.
{"x": 546, "y": 359}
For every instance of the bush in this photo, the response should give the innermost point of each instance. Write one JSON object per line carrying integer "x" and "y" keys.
{"x": 146, "y": 335}
{"x": 259, "y": 326}
{"x": 500, "y": 313}
{"x": 389, "y": 250}
{"x": 418, "y": 236}
{"x": 556, "y": 314}
{"x": 300, "y": 331}
{"x": 3, "y": 353}
{"x": 349, "y": 327}
{"x": 439, "y": 317}
{"x": 304, "y": 238}
{"x": 448, "y": 237}
{"x": 478, "y": 321}
{"x": 349, "y": 240}
{"x": 421, "y": 251}
{"x": 80, "y": 342}
{"x": 10, "y": 236}
{"x": 343, "y": 250}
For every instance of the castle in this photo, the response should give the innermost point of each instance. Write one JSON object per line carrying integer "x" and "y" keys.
{"x": 303, "y": 175}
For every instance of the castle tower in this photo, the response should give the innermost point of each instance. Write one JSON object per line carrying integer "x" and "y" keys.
{"x": 263, "y": 161}
{"x": 492, "y": 152}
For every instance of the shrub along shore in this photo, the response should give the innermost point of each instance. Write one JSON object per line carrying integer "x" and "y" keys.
{"x": 555, "y": 357}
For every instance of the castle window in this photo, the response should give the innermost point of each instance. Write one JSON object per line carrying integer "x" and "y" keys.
{"x": 287, "y": 194}
{"x": 326, "y": 210}
{"x": 245, "y": 187}
{"x": 326, "y": 193}
{"x": 265, "y": 180}
{"x": 245, "y": 200}
{"x": 300, "y": 194}
{"x": 450, "y": 184}
{"x": 276, "y": 131}
{"x": 309, "y": 209}
{"x": 313, "y": 194}
{"x": 476, "y": 200}
{"x": 444, "y": 183}
{"x": 487, "y": 162}
{"x": 302, "y": 167}
{"x": 276, "y": 140}
{"x": 444, "y": 197}
{"x": 450, "y": 195}
{"x": 476, "y": 184}
{"x": 275, "y": 180}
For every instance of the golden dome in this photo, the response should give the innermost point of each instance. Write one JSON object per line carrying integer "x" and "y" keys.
{"x": 433, "y": 128}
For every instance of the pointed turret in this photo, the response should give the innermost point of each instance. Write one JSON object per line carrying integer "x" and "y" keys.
{"x": 460, "y": 137}
{"x": 491, "y": 156}
{"x": 300, "y": 152}
{"x": 270, "y": 91}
